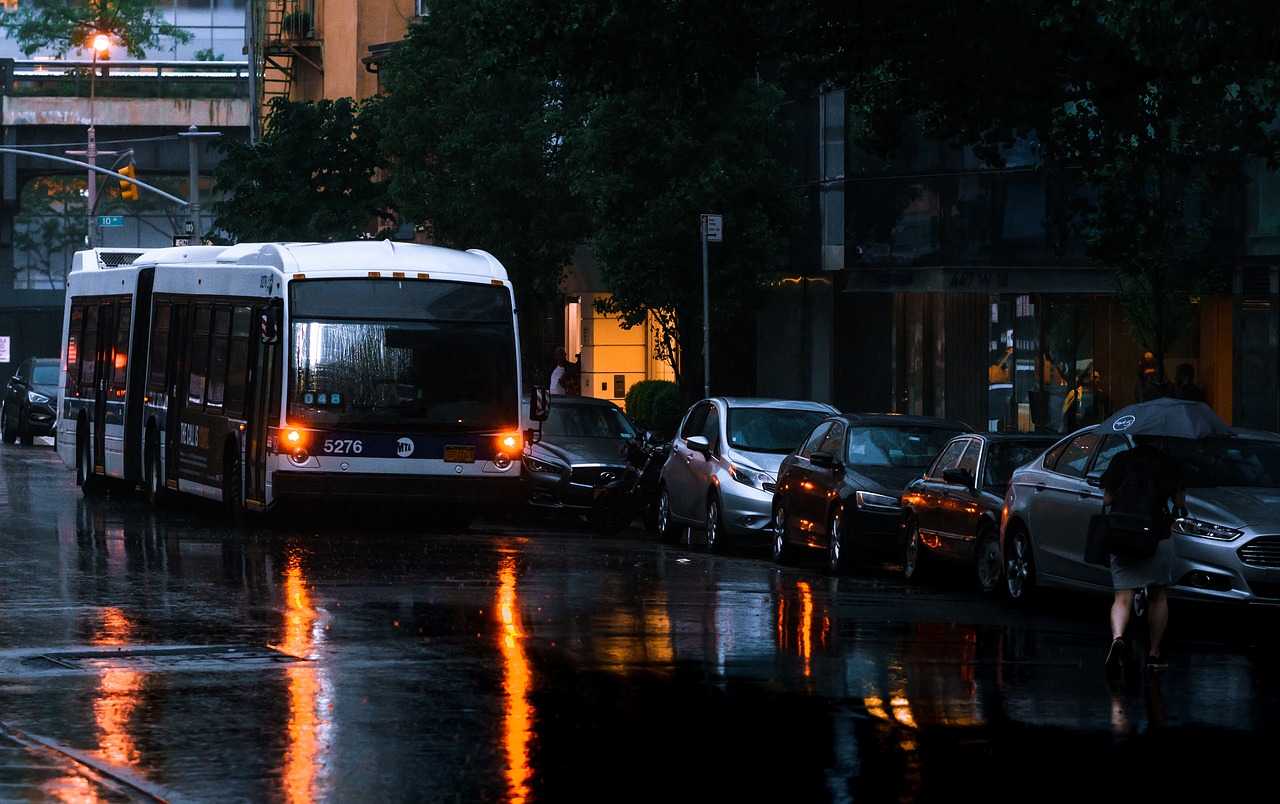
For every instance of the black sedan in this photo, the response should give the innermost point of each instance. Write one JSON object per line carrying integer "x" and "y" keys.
{"x": 584, "y": 446}
{"x": 30, "y": 399}
{"x": 951, "y": 515}
{"x": 840, "y": 489}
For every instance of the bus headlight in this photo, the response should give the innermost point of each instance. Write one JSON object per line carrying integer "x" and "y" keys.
{"x": 509, "y": 444}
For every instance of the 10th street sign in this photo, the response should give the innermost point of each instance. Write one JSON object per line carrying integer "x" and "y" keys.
{"x": 111, "y": 220}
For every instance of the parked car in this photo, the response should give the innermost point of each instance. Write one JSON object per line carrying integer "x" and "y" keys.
{"x": 30, "y": 401}
{"x": 584, "y": 446}
{"x": 1227, "y": 549}
{"x": 719, "y": 475}
{"x": 840, "y": 489}
{"x": 951, "y": 514}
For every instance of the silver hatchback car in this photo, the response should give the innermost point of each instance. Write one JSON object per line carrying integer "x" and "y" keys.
{"x": 723, "y": 466}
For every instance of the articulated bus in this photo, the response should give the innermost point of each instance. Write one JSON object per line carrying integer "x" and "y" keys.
{"x": 371, "y": 372}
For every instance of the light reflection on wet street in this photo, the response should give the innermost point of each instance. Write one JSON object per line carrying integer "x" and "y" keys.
{"x": 353, "y": 657}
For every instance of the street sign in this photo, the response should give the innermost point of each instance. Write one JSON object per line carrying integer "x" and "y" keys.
{"x": 179, "y": 240}
{"x": 111, "y": 220}
{"x": 712, "y": 226}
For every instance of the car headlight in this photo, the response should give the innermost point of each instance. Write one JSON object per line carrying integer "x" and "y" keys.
{"x": 872, "y": 501}
{"x": 1205, "y": 530}
{"x": 536, "y": 465}
{"x": 36, "y": 399}
{"x": 750, "y": 477}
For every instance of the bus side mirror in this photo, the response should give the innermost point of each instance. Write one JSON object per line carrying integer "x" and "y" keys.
{"x": 540, "y": 404}
{"x": 271, "y": 324}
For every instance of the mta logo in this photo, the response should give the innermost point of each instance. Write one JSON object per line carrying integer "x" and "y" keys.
{"x": 404, "y": 447}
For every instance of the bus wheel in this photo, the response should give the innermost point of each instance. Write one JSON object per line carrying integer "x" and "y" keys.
{"x": 233, "y": 492}
{"x": 155, "y": 480}
{"x": 89, "y": 483}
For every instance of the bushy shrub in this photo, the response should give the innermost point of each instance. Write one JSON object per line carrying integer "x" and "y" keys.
{"x": 655, "y": 405}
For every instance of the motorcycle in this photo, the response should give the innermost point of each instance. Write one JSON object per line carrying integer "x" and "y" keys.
{"x": 635, "y": 492}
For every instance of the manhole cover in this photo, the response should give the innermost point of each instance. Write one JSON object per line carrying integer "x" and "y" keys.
{"x": 164, "y": 658}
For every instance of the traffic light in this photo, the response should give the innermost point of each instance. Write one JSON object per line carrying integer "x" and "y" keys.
{"x": 128, "y": 190}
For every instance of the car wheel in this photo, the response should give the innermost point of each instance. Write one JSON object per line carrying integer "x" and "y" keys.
{"x": 10, "y": 434}
{"x": 836, "y": 561}
{"x": 781, "y": 547}
{"x": 913, "y": 553}
{"x": 667, "y": 529}
{"x": 714, "y": 524}
{"x": 988, "y": 565}
{"x": 1019, "y": 565}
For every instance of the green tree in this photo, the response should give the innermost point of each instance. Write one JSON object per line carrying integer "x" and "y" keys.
{"x": 316, "y": 174}
{"x": 63, "y": 25}
{"x": 639, "y": 116}
{"x": 1157, "y": 105}
{"x": 478, "y": 147}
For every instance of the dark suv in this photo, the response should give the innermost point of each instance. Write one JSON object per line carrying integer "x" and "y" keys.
{"x": 30, "y": 401}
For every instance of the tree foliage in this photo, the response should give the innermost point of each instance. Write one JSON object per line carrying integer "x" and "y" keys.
{"x": 64, "y": 25}
{"x": 316, "y": 174}
{"x": 479, "y": 150}
{"x": 1158, "y": 105}
{"x": 614, "y": 126}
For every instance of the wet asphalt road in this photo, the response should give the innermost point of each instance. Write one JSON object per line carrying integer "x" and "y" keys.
{"x": 350, "y": 657}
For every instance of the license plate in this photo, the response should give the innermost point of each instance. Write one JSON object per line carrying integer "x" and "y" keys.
{"x": 460, "y": 454}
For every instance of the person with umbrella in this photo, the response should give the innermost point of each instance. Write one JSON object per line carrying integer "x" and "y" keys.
{"x": 1145, "y": 422}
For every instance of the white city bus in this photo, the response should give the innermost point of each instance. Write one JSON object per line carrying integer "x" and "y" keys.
{"x": 371, "y": 371}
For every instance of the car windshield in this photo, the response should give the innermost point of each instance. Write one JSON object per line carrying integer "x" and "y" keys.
{"x": 1005, "y": 456}
{"x": 45, "y": 375}
{"x": 1214, "y": 462}
{"x": 776, "y": 430}
{"x": 883, "y": 445}
{"x": 587, "y": 421}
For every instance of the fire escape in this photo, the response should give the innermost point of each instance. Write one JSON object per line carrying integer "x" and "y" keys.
{"x": 285, "y": 36}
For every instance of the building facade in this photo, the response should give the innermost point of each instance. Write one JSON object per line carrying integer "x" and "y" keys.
{"x": 962, "y": 307}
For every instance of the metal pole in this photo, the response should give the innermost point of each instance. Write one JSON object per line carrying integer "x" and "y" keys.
{"x": 194, "y": 206}
{"x": 706, "y": 317}
{"x": 91, "y": 156}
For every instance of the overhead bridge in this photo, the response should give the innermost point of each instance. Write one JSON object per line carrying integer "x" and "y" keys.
{"x": 140, "y": 111}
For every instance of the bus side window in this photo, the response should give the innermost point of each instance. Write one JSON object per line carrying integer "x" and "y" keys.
{"x": 218, "y": 356}
{"x": 120, "y": 351}
{"x": 159, "y": 350}
{"x": 73, "y": 349}
{"x": 199, "y": 361}
{"x": 89, "y": 348}
{"x": 238, "y": 360}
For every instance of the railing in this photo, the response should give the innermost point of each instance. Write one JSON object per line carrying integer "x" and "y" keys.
{"x": 125, "y": 79}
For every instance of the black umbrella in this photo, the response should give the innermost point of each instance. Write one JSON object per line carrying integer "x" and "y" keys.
{"x": 1166, "y": 416}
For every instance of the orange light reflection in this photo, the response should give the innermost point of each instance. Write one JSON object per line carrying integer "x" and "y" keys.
{"x": 519, "y": 715}
{"x": 309, "y": 724}
{"x": 118, "y": 693}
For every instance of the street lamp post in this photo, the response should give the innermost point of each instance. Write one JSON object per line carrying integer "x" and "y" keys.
{"x": 100, "y": 44}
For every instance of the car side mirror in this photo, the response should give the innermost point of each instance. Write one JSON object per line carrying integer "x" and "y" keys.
{"x": 959, "y": 476}
{"x": 824, "y": 459}
{"x": 1094, "y": 479}
{"x": 698, "y": 444}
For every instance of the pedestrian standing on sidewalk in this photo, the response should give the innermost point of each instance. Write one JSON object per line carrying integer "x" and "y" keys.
{"x": 1130, "y": 574}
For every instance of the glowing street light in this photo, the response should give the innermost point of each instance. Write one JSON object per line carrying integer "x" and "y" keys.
{"x": 99, "y": 44}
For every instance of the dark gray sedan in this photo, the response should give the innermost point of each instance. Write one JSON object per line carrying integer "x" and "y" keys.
{"x": 840, "y": 490}
{"x": 584, "y": 446}
{"x": 951, "y": 515}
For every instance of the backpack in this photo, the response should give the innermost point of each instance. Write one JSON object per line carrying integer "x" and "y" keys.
{"x": 1139, "y": 517}
{"x": 1136, "y": 493}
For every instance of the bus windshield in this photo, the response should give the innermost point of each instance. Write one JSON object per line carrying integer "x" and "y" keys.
{"x": 432, "y": 356}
